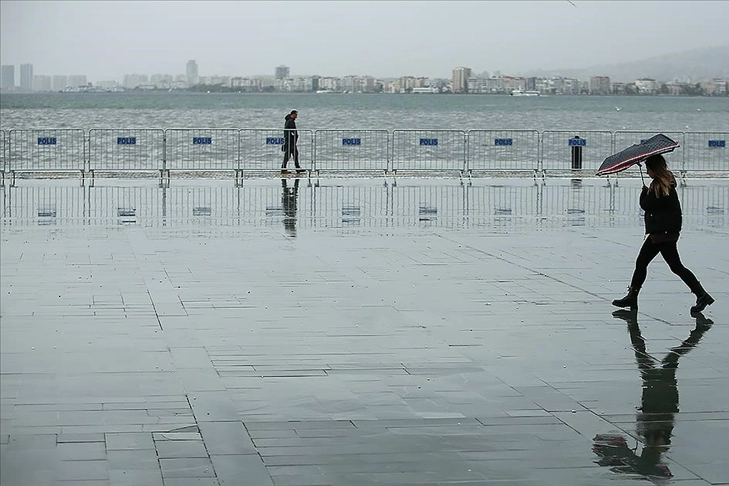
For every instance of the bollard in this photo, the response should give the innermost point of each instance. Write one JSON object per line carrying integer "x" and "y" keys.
{"x": 576, "y": 154}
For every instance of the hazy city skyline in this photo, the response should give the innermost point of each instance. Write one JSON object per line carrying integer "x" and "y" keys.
{"x": 106, "y": 40}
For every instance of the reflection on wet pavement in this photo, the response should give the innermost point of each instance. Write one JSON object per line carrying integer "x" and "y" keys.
{"x": 409, "y": 331}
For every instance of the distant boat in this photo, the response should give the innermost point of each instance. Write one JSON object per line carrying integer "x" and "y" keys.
{"x": 324, "y": 91}
{"x": 521, "y": 92}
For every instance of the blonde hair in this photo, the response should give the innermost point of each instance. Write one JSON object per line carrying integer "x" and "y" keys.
{"x": 663, "y": 178}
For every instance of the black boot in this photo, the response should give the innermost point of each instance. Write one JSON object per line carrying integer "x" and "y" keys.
{"x": 701, "y": 302}
{"x": 630, "y": 300}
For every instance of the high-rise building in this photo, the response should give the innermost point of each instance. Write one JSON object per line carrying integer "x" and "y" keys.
{"x": 599, "y": 85}
{"x": 460, "y": 79}
{"x": 41, "y": 82}
{"x": 60, "y": 81}
{"x": 282, "y": 72}
{"x": 193, "y": 77}
{"x": 26, "y": 77}
{"x": 76, "y": 80}
{"x": 7, "y": 78}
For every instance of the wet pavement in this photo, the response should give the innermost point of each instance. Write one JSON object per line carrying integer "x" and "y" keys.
{"x": 357, "y": 332}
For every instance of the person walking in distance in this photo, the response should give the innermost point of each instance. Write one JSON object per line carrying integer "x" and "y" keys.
{"x": 662, "y": 226}
{"x": 291, "y": 139}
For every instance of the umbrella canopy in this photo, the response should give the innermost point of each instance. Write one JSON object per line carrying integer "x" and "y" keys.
{"x": 635, "y": 154}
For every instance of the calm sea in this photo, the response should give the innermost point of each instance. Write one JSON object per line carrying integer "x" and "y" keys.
{"x": 361, "y": 111}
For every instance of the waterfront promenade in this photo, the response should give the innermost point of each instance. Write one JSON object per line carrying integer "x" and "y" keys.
{"x": 356, "y": 332}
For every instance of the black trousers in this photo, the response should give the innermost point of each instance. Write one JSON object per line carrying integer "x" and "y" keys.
{"x": 289, "y": 151}
{"x": 669, "y": 252}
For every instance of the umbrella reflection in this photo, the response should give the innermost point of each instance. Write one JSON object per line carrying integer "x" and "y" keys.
{"x": 659, "y": 405}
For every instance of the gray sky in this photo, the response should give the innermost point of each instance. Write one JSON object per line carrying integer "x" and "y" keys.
{"x": 107, "y": 39}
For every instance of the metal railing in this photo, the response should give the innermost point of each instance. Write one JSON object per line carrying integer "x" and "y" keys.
{"x": 417, "y": 151}
{"x": 502, "y": 150}
{"x": 3, "y": 152}
{"x": 705, "y": 152}
{"x": 262, "y": 149}
{"x": 125, "y": 150}
{"x": 49, "y": 150}
{"x": 428, "y": 150}
{"x": 351, "y": 150}
{"x": 564, "y": 150}
{"x": 194, "y": 149}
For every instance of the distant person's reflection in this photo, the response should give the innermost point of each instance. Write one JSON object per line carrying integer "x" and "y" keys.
{"x": 289, "y": 196}
{"x": 659, "y": 404}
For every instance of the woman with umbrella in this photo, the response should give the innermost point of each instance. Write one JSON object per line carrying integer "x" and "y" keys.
{"x": 662, "y": 226}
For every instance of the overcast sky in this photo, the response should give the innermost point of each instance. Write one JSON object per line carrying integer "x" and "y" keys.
{"x": 107, "y": 39}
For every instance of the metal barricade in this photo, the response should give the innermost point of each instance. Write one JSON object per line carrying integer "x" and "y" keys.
{"x": 126, "y": 150}
{"x": 192, "y": 149}
{"x": 625, "y": 138}
{"x": 706, "y": 152}
{"x": 3, "y": 152}
{"x": 575, "y": 150}
{"x": 46, "y": 150}
{"x": 428, "y": 150}
{"x": 502, "y": 150}
{"x": 261, "y": 149}
{"x": 351, "y": 150}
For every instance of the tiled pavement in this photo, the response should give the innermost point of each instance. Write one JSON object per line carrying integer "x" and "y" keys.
{"x": 356, "y": 332}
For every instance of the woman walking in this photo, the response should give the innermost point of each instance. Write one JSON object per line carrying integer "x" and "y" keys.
{"x": 662, "y": 226}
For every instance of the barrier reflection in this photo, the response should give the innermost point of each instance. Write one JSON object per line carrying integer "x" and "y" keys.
{"x": 335, "y": 204}
{"x": 659, "y": 405}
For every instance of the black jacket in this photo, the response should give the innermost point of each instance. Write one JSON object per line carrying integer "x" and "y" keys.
{"x": 290, "y": 133}
{"x": 662, "y": 214}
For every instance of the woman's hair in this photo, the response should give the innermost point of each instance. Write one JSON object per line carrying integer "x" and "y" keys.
{"x": 663, "y": 178}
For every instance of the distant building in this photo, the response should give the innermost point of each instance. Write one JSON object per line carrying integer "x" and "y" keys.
{"x": 77, "y": 80}
{"x": 646, "y": 86}
{"x": 132, "y": 81}
{"x": 59, "y": 82}
{"x": 7, "y": 78}
{"x": 599, "y": 85}
{"x": 26, "y": 77}
{"x": 281, "y": 72}
{"x": 460, "y": 79}
{"x": 193, "y": 76}
{"x": 41, "y": 82}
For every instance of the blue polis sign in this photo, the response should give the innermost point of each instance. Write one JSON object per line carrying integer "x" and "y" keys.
{"x": 717, "y": 143}
{"x": 351, "y": 141}
{"x": 429, "y": 141}
{"x": 274, "y": 141}
{"x": 503, "y": 141}
{"x": 577, "y": 142}
{"x": 46, "y": 140}
{"x": 202, "y": 140}
{"x": 126, "y": 140}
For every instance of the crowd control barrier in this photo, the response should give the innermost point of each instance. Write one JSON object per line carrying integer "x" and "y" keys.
{"x": 428, "y": 150}
{"x": 126, "y": 150}
{"x": 351, "y": 150}
{"x": 46, "y": 150}
{"x": 197, "y": 149}
{"x": 503, "y": 150}
{"x": 564, "y": 150}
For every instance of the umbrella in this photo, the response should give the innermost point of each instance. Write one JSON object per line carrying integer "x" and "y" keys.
{"x": 635, "y": 154}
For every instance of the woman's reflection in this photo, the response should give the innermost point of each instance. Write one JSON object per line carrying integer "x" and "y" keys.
{"x": 288, "y": 201}
{"x": 659, "y": 404}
